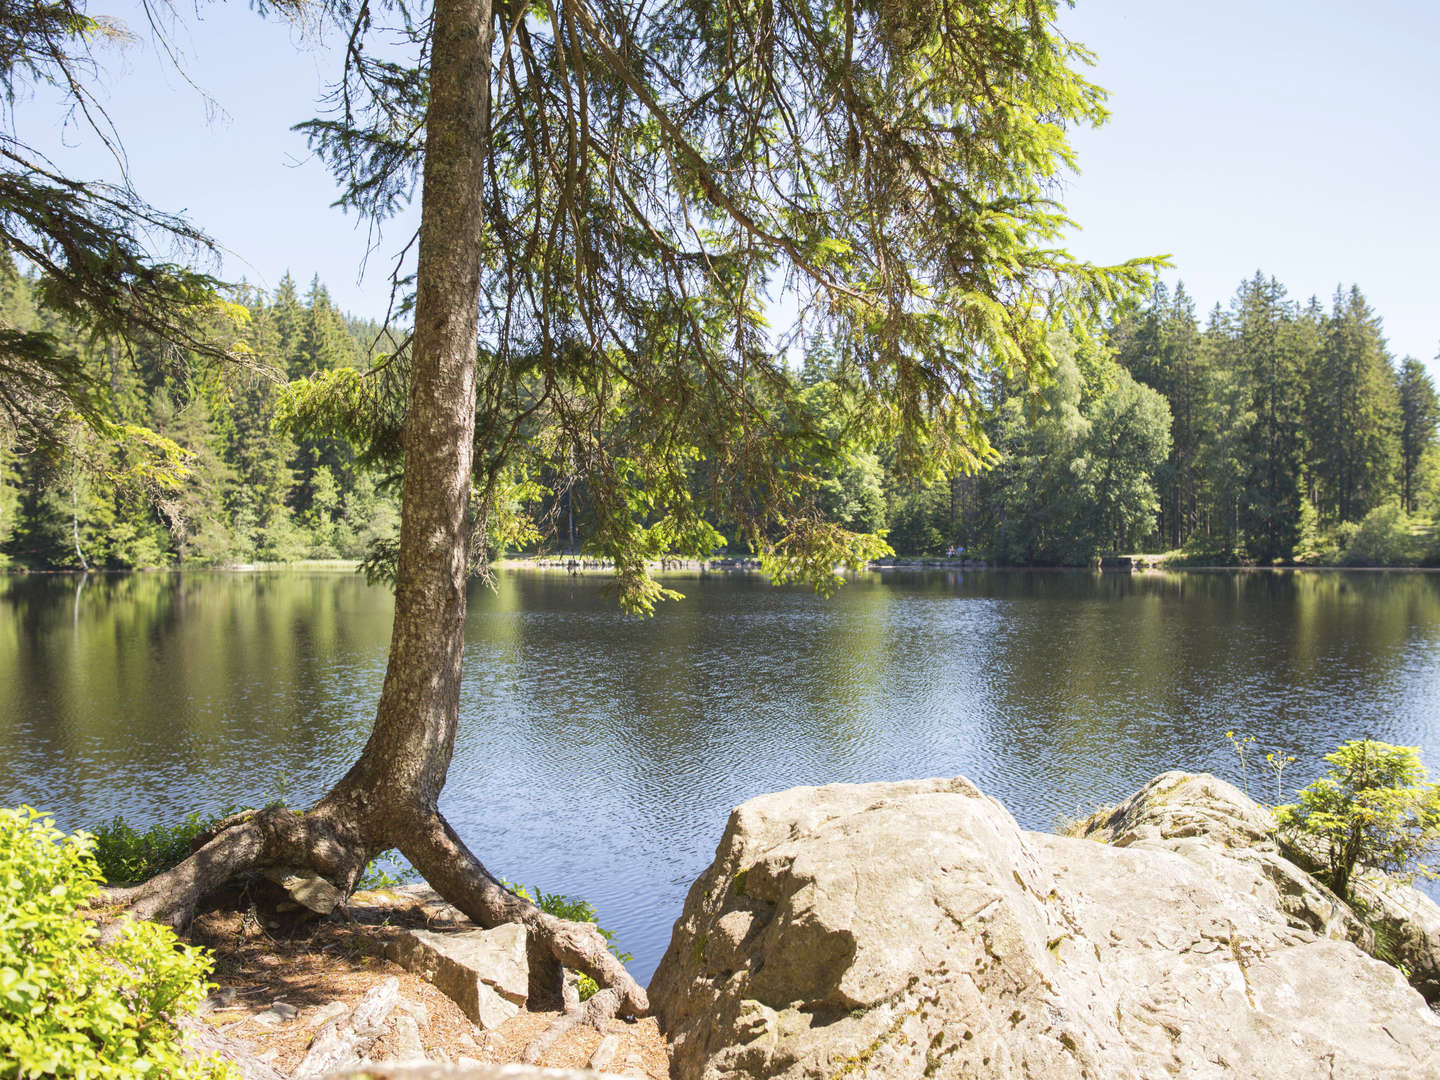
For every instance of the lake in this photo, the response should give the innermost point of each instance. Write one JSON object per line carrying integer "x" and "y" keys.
{"x": 600, "y": 754}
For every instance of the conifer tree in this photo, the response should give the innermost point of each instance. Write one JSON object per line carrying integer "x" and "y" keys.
{"x": 1269, "y": 358}
{"x": 608, "y": 191}
{"x": 1419, "y": 416}
{"x": 1354, "y": 413}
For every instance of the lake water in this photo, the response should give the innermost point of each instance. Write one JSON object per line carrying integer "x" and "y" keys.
{"x": 599, "y": 754}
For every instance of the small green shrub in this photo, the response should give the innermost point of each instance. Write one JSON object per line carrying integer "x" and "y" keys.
{"x": 127, "y": 856}
{"x": 575, "y": 910}
{"x": 376, "y": 876}
{"x": 1375, "y": 809}
{"x": 70, "y": 1007}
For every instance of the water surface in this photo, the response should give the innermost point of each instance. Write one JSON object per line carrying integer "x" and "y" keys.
{"x": 599, "y": 754}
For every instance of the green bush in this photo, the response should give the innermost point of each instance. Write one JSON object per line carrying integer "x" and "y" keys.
{"x": 1375, "y": 808}
{"x": 127, "y": 856}
{"x": 1385, "y": 538}
{"x": 70, "y": 1007}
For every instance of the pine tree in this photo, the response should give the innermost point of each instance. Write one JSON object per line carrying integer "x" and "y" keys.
{"x": 607, "y": 193}
{"x": 1354, "y": 416}
{"x": 1419, "y": 417}
{"x": 1160, "y": 346}
{"x": 1269, "y": 359}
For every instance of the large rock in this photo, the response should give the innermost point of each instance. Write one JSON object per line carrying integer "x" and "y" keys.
{"x": 914, "y": 930}
{"x": 1408, "y": 922}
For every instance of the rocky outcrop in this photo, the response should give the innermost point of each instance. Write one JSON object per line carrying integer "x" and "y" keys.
{"x": 914, "y": 930}
{"x": 1220, "y": 829}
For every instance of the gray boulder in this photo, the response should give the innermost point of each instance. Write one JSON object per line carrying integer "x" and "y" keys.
{"x": 914, "y": 930}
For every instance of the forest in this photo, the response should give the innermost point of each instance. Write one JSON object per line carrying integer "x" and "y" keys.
{"x": 1271, "y": 432}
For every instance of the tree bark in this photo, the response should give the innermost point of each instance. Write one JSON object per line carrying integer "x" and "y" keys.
{"x": 409, "y": 750}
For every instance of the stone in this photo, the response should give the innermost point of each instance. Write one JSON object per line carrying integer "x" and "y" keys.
{"x": 325, "y": 1013}
{"x": 275, "y": 1015}
{"x": 1215, "y": 824}
{"x": 485, "y": 972}
{"x": 377, "y": 905}
{"x": 375, "y": 1007}
{"x": 1409, "y": 922}
{"x": 605, "y": 1053}
{"x": 417, "y": 1011}
{"x": 909, "y": 930}
{"x": 344, "y": 1041}
{"x": 404, "y": 1041}
{"x": 307, "y": 889}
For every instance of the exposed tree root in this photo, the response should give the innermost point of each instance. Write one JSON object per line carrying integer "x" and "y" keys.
{"x": 453, "y": 872}
{"x": 245, "y": 842}
{"x": 325, "y": 841}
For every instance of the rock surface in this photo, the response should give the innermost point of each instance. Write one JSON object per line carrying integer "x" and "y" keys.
{"x": 307, "y": 889}
{"x": 913, "y": 930}
{"x": 485, "y": 972}
{"x": 1411, "y": 922}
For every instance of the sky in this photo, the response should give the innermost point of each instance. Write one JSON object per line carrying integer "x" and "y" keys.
{"x": 1292, "y": 137}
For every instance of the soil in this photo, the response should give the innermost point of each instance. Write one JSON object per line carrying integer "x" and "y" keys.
{"x": 265, "y": 954}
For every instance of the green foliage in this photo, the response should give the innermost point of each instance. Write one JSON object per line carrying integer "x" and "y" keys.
{"x": 216, "y": 467}
{"x": 1374, "y": 809}
{"x": 376, "y": 876}
{"x": 70, "y": 1007}
{"x": 1386, "y": 537}
{"x": 187, "y": 464}
{"x": 1419, "y": 417}
{"x": 126, "y": 856}
{"x": 1076, "y": 470}
{"x": 1352, "y": 412}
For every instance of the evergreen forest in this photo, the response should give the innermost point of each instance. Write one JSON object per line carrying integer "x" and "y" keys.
{"x": 1268, "y": 431}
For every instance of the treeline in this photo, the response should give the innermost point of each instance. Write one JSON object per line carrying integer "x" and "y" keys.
{"x": 1292, "y": 435}
{"x": 1275, "y": 432}
{"x": 189, "y": 467}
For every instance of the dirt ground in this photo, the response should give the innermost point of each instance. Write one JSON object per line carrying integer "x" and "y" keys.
{"x": 263, "y": 956}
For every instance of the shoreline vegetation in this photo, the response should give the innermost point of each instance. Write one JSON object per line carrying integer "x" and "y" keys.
{"x": 1149, "y": 437}
{"x": 589, "y": 566}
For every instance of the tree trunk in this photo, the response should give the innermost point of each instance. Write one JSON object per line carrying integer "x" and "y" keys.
{"x": 389, "y": 797}
{"x": 410, "y": 747}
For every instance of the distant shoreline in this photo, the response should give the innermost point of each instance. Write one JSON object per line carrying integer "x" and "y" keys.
{"x": 590, "y": 566}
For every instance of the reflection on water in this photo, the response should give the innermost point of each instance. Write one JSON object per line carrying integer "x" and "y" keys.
{"x": 599, "y": 754}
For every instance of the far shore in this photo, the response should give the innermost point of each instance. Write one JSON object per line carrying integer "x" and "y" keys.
{"x": 589, "y": 565}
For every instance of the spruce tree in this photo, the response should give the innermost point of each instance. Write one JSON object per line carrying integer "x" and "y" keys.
{"x": 1419, "y": 416}
{"x": 1354, "y": 416}
{"x": 608, "y": 191}
{"x": 1269, "y": 359}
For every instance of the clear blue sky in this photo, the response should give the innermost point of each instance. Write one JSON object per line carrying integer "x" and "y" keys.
{"x": 1292, "y": 137}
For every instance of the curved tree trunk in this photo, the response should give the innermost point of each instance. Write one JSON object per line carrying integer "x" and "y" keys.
{"x": 389, "y": 797}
